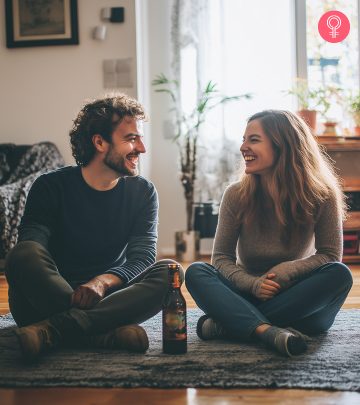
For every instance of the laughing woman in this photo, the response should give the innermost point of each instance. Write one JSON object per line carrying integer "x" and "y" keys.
{"x": 276, "y": 259}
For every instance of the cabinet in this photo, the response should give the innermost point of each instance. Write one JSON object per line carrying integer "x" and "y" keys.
{"x": 345, "y": 151}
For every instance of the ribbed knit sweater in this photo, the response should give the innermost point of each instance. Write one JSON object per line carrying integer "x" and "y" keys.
{"x": 244, "y": 254}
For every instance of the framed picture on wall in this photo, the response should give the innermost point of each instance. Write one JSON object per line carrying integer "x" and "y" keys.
{"x": 41, "y": 23}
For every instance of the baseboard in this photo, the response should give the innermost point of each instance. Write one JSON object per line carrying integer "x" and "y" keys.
{"x": 166, "y": 251}
{"x": 205, "y": 248}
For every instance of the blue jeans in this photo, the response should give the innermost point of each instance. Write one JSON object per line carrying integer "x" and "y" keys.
{"x": 309, "y": 306}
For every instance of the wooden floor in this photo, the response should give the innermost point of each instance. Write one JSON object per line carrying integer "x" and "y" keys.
{"x": 191, "y": 396}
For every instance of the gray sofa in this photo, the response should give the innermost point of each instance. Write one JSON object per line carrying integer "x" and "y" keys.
{"x": 20, "y": 165}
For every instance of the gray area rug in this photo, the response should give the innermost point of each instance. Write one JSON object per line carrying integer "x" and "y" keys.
{"x": 332, "y": 362}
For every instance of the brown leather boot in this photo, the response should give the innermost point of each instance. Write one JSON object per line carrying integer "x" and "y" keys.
{"x": 129, "y": 337}
{"x": 37, "y": 338}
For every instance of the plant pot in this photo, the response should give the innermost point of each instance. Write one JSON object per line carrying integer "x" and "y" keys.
{"x": 357, "y": 130}
{"x": 356, "y": 118}
{"x": 330, "y": 129}
{"x": 309, "y": 116}
{"x": 206, "y": 218}
{"x": 187, "y": 246}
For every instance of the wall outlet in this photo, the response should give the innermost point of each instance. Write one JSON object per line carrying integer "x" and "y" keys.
{"x": 117, "y": 73}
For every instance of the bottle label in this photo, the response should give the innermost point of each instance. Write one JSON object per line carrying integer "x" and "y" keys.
{"x": 176, "y": 280}
{"x": 175, "y": 325}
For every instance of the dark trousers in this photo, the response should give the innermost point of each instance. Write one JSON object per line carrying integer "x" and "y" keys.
{"x": 37, "y": 291}
{"x": 309, "y": 306}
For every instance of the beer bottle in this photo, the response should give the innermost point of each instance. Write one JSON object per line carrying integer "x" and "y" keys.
{"x": 174, "y": 315}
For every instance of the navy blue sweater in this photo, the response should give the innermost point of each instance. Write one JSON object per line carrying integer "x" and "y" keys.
{"x": 90, "y": 232}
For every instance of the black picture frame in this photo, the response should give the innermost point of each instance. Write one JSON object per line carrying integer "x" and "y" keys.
{"x": 41, "y": 23}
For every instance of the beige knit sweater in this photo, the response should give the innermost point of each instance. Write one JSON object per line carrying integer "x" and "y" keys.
{"x": 245, "y": 254}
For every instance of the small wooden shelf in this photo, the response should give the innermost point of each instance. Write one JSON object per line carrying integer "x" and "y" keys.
{"x": 352, "y": 224}
{"x": 339, "y": 143}
{"x": 351, "y": 184}
{"x": 351, "y": 259}
{"x": 353, "y": 221}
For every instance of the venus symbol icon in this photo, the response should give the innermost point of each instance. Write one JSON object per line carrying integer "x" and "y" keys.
{"x": 334, "y": 26}
{"x": 334, "y": 23}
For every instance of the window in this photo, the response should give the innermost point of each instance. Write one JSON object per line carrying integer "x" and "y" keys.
{"x": 259, "y": 53}
{"x": 244, "y": 47}
{"x": 328, "y": 63}
{"x": 258, "y": 47}
{"x": 243, "y": 51}
{"x": 334, "y": 64}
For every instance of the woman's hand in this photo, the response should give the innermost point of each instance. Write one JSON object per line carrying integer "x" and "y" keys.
{"x": 268, "y": 288}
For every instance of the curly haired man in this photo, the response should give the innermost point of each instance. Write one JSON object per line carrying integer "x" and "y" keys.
{"x": 83, "y": 271}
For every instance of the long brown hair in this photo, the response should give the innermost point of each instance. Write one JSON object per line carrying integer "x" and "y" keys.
{"x": 301, "y": 179}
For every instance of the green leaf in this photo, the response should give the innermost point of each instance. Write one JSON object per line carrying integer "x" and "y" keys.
{"x": 202, "y": 105}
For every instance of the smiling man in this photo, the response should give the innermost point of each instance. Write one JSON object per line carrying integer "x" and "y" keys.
{"x": 84, "y": 271}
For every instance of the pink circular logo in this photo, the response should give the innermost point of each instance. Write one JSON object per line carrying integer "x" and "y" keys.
{"x": 334, "y": 26}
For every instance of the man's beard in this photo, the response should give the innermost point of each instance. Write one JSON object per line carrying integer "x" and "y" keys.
{"x": 118, "y": 164}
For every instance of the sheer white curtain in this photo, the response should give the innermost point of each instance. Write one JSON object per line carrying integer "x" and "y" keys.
{"x": 245, "y": 46}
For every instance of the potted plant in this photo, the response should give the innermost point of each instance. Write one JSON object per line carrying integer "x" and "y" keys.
{"x": 326, "y": 98}
{"x": 311, "y": 101}
{"x": 186, "y": 134}
{"x": 354, "y": 107}
{"x": 307, "y": 100}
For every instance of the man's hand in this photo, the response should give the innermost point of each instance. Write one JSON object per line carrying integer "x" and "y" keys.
{"x": 87, "y": 295}
{"x": 268, "y": 288}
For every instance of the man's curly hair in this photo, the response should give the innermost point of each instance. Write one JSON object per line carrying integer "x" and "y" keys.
{"x": 101, "y": 117}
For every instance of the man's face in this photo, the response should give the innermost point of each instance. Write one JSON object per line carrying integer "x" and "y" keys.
{"x": 125, "y": 148}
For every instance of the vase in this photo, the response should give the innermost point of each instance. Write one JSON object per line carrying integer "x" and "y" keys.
{"x": 356, "y": 118}
{"x": 309, "y": 116}
{"x": 187, "y": 246}
{"x": 330, "y": 129}
{"x": 357, "y": 130}
{"x": 206, "y": 218}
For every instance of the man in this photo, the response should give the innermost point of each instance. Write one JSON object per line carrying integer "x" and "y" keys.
{"x": 83, "y": 270}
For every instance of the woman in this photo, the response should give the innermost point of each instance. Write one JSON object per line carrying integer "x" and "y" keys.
{"x": 278, "y": 245}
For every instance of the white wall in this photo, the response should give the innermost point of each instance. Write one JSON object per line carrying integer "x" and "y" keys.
{"x": 43, "y": 88}
{"x": 164, "y": 159}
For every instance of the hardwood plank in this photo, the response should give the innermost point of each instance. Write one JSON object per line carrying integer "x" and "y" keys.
{"x": 190, "y": 396}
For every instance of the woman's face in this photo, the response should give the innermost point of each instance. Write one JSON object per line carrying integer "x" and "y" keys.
{"x": 257, "y": 149}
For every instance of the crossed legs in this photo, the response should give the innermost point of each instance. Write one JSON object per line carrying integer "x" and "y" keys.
{"x": 37, "y": 291}
{"x": 309, "y": 306}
